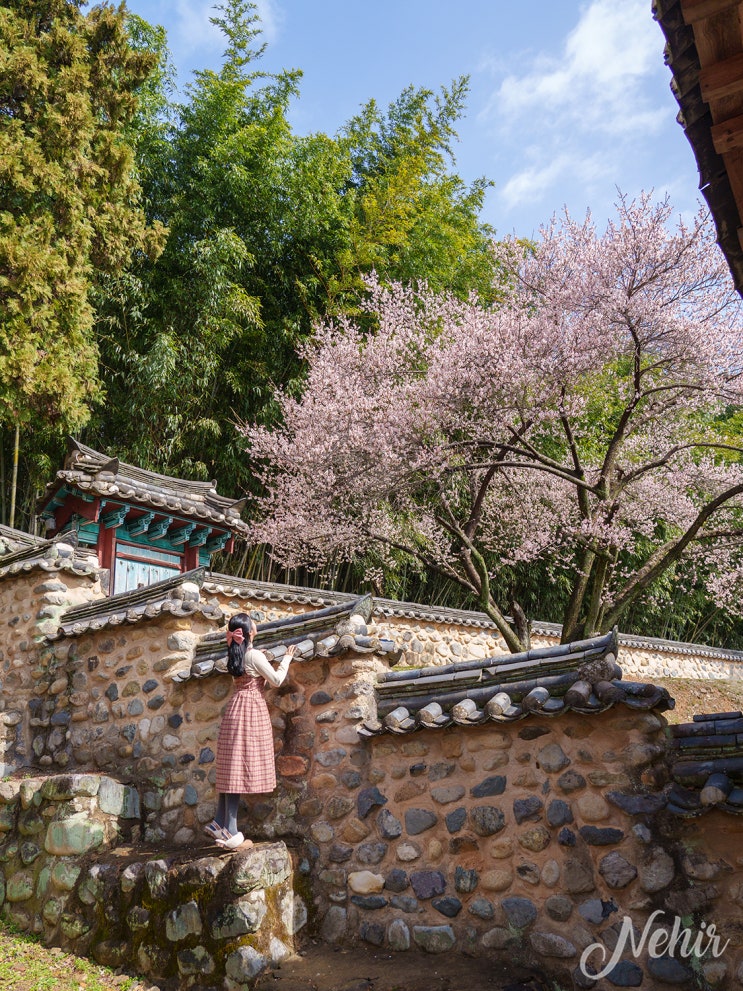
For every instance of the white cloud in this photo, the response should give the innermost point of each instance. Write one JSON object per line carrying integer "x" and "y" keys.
{"x": 604, "y": 60}
{"x": 194, "y": 31}
{"x": 534, "y": 181}
{"x": 583, "y": 111}
{"x": 272, "y": 19}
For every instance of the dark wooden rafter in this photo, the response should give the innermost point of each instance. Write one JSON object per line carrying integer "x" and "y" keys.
{"x": 728, "y": 135}
{"x": 704, "y": 50}
{"x": 695, "y": 11}
{"x": 722, "y": 79}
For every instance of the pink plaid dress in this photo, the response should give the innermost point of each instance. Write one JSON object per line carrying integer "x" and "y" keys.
{"x": 245, "y": 754}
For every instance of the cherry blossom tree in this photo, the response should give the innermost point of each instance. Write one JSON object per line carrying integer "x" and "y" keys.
{"x": 583, "y": 421}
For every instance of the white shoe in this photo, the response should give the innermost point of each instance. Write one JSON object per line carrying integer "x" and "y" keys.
{"x": 232, "y": 842}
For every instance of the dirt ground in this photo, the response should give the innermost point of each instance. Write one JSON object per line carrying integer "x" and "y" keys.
{"x": 701, "y": 697}
{"x": 320, "y": 968}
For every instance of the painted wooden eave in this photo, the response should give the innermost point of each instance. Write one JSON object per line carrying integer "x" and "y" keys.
{"x": 95, "y": 474}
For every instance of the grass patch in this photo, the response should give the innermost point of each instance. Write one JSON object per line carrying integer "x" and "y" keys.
{"x": 27, "y": 965}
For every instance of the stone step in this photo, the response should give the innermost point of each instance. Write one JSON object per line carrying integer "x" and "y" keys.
{"x": 203, "y": 916}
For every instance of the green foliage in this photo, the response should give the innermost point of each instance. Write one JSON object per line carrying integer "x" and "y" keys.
{"x": 269, "y": 232}
{"x": 68, "y": 199}
{"x": 411, "y": 219}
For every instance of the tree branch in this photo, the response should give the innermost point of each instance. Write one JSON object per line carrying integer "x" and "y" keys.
{"x": 564, "y": 474}
{"x": 568, "y": 431}
{"x": 631, "y": 476}
{"x": 664, "y": 556}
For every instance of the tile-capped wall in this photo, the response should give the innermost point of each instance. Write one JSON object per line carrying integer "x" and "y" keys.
{"x": 535, "y": 838}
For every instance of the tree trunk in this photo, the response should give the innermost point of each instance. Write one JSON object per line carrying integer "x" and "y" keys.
{"x": 477, "y": 573}
{"x": 598, "y": 584}
{"x": 14, "y": 480}
{"x": 574, "y": 608}
{"x": 523, "y": 628}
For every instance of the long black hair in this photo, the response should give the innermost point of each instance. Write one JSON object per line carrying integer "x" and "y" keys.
{"x": 236, "y": 651}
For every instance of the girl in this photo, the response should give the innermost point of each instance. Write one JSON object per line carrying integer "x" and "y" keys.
{"x": 245, "y": 754}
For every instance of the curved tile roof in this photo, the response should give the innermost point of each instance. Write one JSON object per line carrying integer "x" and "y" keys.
{"x": 178, "y": 596}
{"x": 246, "y": 588}
{"x": 580, "y": 677}
{"x": 48, "y": 555}
{"x": 326, "y": 632}
{"x": 96, "y": 474}
{"x": 17, "y": 539}
{"x": 707, "y": 765}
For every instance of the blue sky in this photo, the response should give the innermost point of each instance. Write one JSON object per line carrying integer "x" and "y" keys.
{"x": 569, "y": 100}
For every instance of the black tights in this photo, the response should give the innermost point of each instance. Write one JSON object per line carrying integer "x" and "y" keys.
{"x": 227, "y": 812}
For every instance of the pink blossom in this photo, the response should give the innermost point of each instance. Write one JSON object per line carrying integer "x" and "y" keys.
{"x": 577, "y": 422}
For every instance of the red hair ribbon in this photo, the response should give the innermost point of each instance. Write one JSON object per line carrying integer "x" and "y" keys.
{"x": 235, "y": 636}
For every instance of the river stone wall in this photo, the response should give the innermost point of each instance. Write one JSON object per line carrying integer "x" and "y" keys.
{"x": 119, "y": 711}
{"x": 436, "y": 643}
{"x": 64, "y": 875}
{"x": 30, "y": 604}
{"x": 531, "y": 840}
{"x": 55, "y": 701}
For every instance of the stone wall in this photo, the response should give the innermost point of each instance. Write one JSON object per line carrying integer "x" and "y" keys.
{"x": 435, "y": 642}
{"x": 531, "y": 840}
{"x": 65, "y": 876}
{"x": 47, "y": 695}
{"x": 30, "y": 605}
{"x": 111, "y": 705}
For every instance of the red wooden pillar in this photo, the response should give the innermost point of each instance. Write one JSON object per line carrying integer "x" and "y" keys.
{"x": 107, "y": 551}
{"x": 190, "y": 558}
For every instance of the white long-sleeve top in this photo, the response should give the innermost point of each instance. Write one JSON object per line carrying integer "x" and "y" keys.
{"x": 258, "y": 665}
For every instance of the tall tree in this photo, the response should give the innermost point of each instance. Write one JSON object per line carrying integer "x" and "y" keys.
{"x": 580, "y": 423}
{"x": 269, "y": 231}
{"x": 69, "y": 200}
